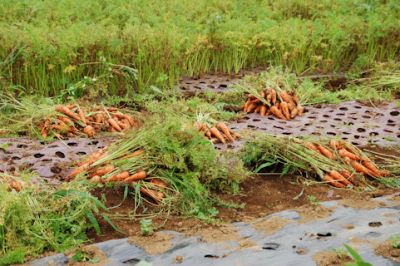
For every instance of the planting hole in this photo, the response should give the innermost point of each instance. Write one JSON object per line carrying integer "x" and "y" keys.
{"x": 340, "y": 114}
{"x": 331, "y": 133}
{"x": 390, "y": 121}
{"x": 279, "y": 127}
{"x": 337, "y": 119}
{"x": 256, "y": 120}
{"x": 22, "y": 146}
{"x": 73, "y": 144}
{"x": 286, "y": 133}
{"x": 53, "y": 146}
{"x": 324, "y": 234}
{"x": 251, "y": 126}
{"x": 93, "y": 142}
{"x": 366, "y": 116}
{"x": 210, "y": 256}
{"x": 246, "y": 117}
{"x": 356, "y": 136}
{"x": 323, "y": 121}
{"x": 55, "y": 169}
{"x": 355, "y": 143}
{"x": 373, "y": 134}
{"x": 47, "y": 160}
{"x": 60, "y": 154}
{"x": 271, "y": 246}
{"x": 271, "y": 118}
{"x": 38, "y": 155}
{"x": 360, "y": 130}
{"x": 312, "y": 117}
{"x": 346, "y": 133}
{"x": 16, "y": 158}
{"x": 357, "y": 107}
{"x": 343, "y": 108}
{"x": 222, "y": 86}
{"x": 374, "y": 224}
{"x": 326, "y": 116}
{"x": 394, "y": 113}
{"x": 391, "y": 125}
{"x": 81, "y": 153}
{"x": 388, "y": 131}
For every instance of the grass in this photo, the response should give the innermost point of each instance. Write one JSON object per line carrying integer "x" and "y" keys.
{"x": 122, "y": 47}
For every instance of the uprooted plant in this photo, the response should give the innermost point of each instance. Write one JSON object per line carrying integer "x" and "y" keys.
{"x": 335, "y": 162}
{"x": 42, "y": 218}
{"x": 169, "y": 161}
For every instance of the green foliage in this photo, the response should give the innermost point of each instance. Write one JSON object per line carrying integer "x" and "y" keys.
{"x": 380, "y": 85}
{"x": 43, "y": 218}
{"x": 313, "y": 200}
{"x": 84, "y": 256}
{"x": 395, "y": 241}
{"x": 51, "y": 46}
{"x": 358, "y": 260}
{"x": 146, "y": 227}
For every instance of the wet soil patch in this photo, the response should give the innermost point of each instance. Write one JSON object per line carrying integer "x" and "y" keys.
{"x": 261, "y": 196}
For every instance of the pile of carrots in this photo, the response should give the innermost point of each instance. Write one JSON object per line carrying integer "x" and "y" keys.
{"x": 219, "y": 133}
{"x": 282, "y": 105}
{"x": 107, "y": 172}
{"x": 73, "y": 120}
{"x": 340, "y": 150}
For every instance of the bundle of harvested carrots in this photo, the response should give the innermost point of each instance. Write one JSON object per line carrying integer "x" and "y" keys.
{"x": 283, "y": 105}
{"x": 100, "y": 167}
{"x": 336, "y": 162}
{"x": 352, "y": 157}
{"x": 218, "y": 133}
{"x": 73, "y": 120}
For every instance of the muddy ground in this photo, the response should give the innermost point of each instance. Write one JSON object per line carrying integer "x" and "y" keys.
{"x": 259, "y": 196}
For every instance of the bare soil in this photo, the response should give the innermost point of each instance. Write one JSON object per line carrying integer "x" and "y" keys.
{"x": 261, "y": 196}
{"x": 386, "y": 250}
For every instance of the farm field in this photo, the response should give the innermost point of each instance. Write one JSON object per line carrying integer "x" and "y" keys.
{"x": 199, "y": 132}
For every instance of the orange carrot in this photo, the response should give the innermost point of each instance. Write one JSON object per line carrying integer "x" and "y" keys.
{"x": 285, "y": 110}
{"x": 114, "y": 124}
{"x": 156, "y": 195}
{"x": 347, "y": 175}
{"x": 300, "y": 110}
{"x": 246, "y": 105}
{"x": 225, "y": 130}
{"x": 131, "y": 120}
{"x": 291, "y": 106}
{"x": 118, "y": 177}
{"x": 258, "y": 108}
{"x": 275, "y": 111}
{"x": 138, "y": 176}
{"x": 79, "y": 170}
{"x": 64, "y": 110}
{"x": 263, "y": 110}
{"x": 294, "y": 113}
{"x": 104, "y": 170}
{"x": 251, "y": 107}
{"x": 335, "y": 144}
{"x": 368, "y": 164}
{"x": 134, "y": 154}
{"x": 159, "y": 183}
{"x": 345, "y": 153}
{"x": 89, "y": 131}
{"x": 324, "y": 151}
{"x": 311, "y": 146}
{"x": 273, "y": 96}
{"x": 268, "y": 95}
{"x": 214, "y": 131}
{"x": 361, "y": 169}
{"x": 327, "y": 178}
{"x": 286, "y": 97}
{"x": 337, "y": 176}
{"x": 66, "y": 120}
{"x": 82, "y": 115}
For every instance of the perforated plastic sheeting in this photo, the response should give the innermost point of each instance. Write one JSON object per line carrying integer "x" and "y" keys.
{"x": 47, "y": 159}
{"x": 352, "y": 121}
{"x": 213, "y": 82}
{"x": 296, "y": 243}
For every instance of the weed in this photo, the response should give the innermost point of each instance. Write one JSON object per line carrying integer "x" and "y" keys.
{"x": 395, "y": 241}
{"x": 84, "y": 256}
{"x": 313, "y": 200}
{"x": 44, "y": 218}
{"x": 358, "y": 260}
{"x": 146, "y": 227}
